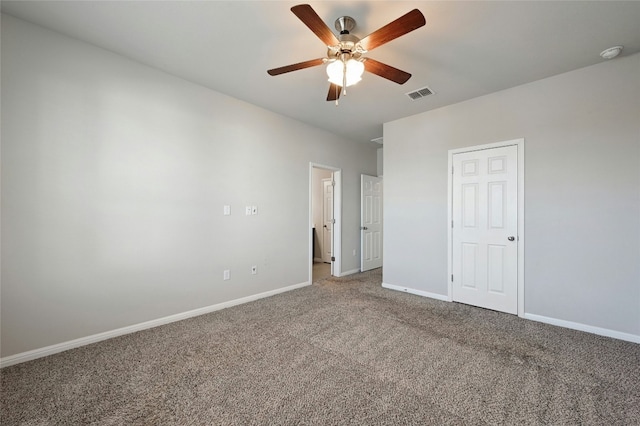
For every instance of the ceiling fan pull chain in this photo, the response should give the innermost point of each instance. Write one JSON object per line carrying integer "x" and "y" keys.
{"x": 344, "y": 75}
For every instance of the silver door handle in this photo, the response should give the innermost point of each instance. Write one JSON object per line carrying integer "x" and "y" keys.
{"x": 511, "y": 238}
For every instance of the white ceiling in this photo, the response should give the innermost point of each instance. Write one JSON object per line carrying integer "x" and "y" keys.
{"x": 466, "y": 49}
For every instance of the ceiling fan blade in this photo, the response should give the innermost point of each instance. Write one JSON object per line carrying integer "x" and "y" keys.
{"x": 334, "y": 92}
{"x": 386, "y": 71}
{"x": 401, "y": 26}
{"x": 310, "y": 18}
{"x": 296, "y": 67}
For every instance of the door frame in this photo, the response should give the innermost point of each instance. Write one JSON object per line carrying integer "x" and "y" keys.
{"x": 336, "y": 265}
{"x": 520, "y": 240}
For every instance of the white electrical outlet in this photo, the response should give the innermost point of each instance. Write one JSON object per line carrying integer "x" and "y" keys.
{"x": 248, "y": 210}
{"x": 254, "y": 270}
{"x": 226, "y": 275}
{"x": 227, "y": 210}
{"x": 254, "y": 209}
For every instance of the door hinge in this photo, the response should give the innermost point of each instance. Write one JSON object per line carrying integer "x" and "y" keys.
{"x": 451, "y": 277}
{"x": 333, "y": 183}
{"x": 333, "y": 221}
{"x": 451, "y": 169}
{"x": 333, "y": 259}
{"x": 452, "y": 224}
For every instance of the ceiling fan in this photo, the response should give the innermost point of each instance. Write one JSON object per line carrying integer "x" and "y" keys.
{"x": 344, "y": 55}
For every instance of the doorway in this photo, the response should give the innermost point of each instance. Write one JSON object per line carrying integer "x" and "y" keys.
{"x": 325, "y": 209}
{"x": 486, "y": 224}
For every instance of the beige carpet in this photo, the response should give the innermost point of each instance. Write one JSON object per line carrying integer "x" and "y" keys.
{"x": 343, "y": 351}
{"x": 321, "y": 271}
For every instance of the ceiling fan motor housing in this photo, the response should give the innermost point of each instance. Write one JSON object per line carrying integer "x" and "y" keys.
{"x": 344, "y": 24}
{"x": 348, "y": 46}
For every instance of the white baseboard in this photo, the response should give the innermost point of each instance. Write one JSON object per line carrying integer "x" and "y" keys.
{"x": 442, "y": 297}
{"x": 83, "y": 341}
{"x": 533, "y": 317}
{"x": 61, "y": 347}
{"x": 351, "y": 272}
{"x": 583, "y": 327}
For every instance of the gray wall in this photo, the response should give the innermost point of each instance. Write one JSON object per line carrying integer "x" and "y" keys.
{"x": 582, "y": 191}
{"x": 114, "y": 178}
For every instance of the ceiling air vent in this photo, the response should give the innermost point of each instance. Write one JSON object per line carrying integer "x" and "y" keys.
{"x": 420, "y": 93}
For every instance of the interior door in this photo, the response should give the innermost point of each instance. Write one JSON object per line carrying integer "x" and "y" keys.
{"x": 484, "y": 228}
{"x": 327, "y": 219}
{"x": 370, "y": 222}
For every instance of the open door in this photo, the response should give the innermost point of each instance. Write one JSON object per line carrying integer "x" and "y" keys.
{"x": 327, "y": 220}
{"x": 319, "y": 207}
{"x": 370, "y": 222}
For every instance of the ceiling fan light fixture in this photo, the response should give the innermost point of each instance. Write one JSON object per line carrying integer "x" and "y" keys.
{"x": 354, "y": 70}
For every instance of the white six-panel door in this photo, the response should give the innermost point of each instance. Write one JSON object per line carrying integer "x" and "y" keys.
{"x": 327, "y": 220}
{"x": 371, "y": 223}
{"x": 484, "y": 228}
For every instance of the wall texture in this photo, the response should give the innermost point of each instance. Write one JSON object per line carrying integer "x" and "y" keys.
{"x": 114, "y": 178}
{"x": 582, "y": 191}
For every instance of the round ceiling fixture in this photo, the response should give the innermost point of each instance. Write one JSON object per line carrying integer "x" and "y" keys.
{"x": 611, "y": 52}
